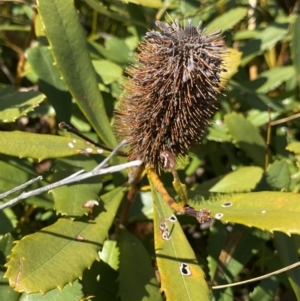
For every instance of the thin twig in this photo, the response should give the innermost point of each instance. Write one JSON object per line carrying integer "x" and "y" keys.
{"x": 283, "y": 120}
{"x": 115, "y": 151}
{"x": 71, "y": 179}
{"x": 5, "y": 194}
{"x": 258, "y": 278}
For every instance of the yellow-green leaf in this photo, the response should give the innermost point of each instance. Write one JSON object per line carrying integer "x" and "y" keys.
{"x": 181, "y": 276}
{"x": 148, "y": 3}
{"x": 59, "y": 254}
{"x": 228, "y": 19}
{"x": 41, "y": 147}
{"x": 242, "y": 179}
{"x": 267, "y": 210}
{"x": 294, "y": 147}
{"x": 17, "y": 104}
{"x": 68, "y": 45}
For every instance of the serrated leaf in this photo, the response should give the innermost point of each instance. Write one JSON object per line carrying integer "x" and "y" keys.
{"x": 247, "y": 137}
{"x": 6, "y": 292}
{"x": 181, "y": 276}
{"x": 228, "y": 19}
{"x": 35, "y": 264}
{"x": 69, "y": 49}
{"x": 15, "y": 105}
{"x": 68, "y": 293}
{"x": 101, "y": 280}
{"x": 137, "y": 278}
{"x": 264, "y": 40}
{"x": 278, "y": 175}
{"x": 267, "y": 210}
{"x": 41, "y": 147}
{"x": 69, "y": 199}
{"x": 242, "y": 179}
{"x": 271, "y": 79}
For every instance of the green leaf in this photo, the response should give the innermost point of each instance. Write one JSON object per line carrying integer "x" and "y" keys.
{"x": 68, "y": 293}
{"x": 112, "y": 52}
{"x": 69, "y": 49}
{"x": 265, "y": 39}
{"x": 4, "y": 90}
{"x": 267, "y": 210}
{"x": 259, "y": 118}
{"x": 72, "y": 244}
{"x": 18, "y": 104}
{"x": 6, "y": 292}
{"x": 101, "y": 280}
{"x": 241, "y": 245}
{"x": 41, "y": 147}
{"x": 137, "y": 277}
{"x": 120, "y": 15}
{"x": 10, "y": 27}
{"x": 69, "y": 199}
{"x": 181, "y": 276}
{"x": 278, "y": 175}
{"x": 18, "y": 172}
{"x": 271, "y": 79}
{"x": 218, "y": 132}
{"x": 287, "y": 251}
{"x": 41, "y": 60}
{"x": 228, "y": 19}
{"x": 142, "y": 207}
{"x": 242, "y": 179}
{"x": 295, "y": 47}
{"x": 109, "y": 71}
{"x": 245, "y": 34}
{"x": 8, "y": 221}
{"x": 265, "y": 291}
{"x": 216, "y": 239}
{"x": 247, "y": 137}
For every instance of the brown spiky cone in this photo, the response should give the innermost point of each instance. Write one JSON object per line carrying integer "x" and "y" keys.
{"x": 171, "y": 92}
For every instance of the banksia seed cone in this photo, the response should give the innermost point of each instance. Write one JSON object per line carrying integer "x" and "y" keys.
{"x": 171, "y": 92}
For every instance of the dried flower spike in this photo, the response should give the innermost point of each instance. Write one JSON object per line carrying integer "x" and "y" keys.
{"x": 171, "y": 92}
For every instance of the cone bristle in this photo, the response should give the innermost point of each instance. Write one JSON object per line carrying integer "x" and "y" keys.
{"x": 171, "y": 92}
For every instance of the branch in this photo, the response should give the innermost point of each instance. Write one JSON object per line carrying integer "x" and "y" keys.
{"x": 76, "y": 177}
{"x": 292, "y": 266}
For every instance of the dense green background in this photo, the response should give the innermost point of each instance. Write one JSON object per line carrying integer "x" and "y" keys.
{"x": 65, "y": 61}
